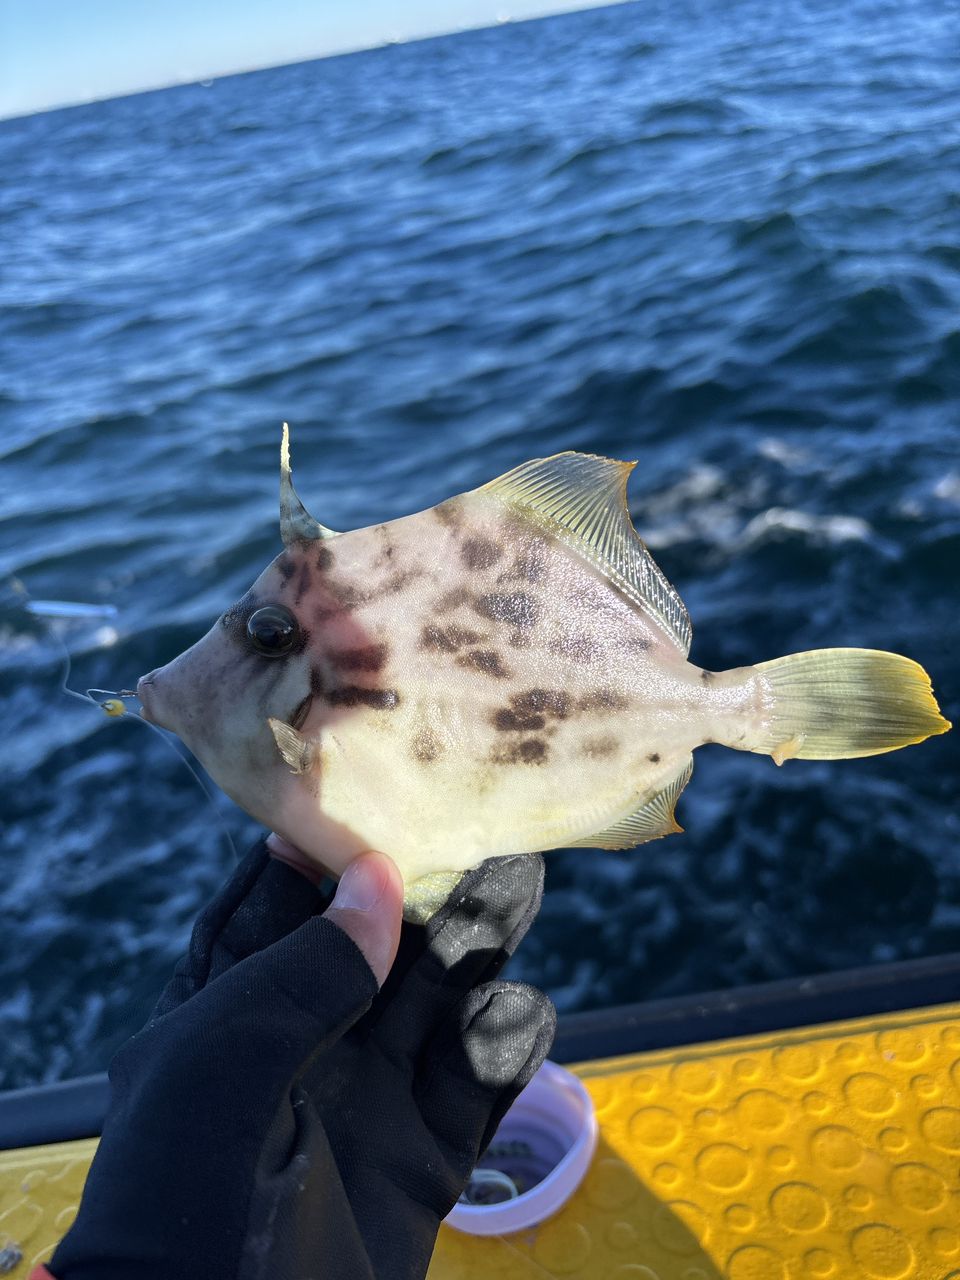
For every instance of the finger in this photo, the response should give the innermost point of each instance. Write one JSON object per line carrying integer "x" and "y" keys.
{"x": 278, "y": 901}
{"x": 467, "y": 942}
{"x": 368, "y": 907}
{"x": 480, "y": 1060}
{"x": 301, "y": 994}
{"x": 261, "y": 902}
{"x": 310, "y": 985}
{"x": 254, "y": 1029}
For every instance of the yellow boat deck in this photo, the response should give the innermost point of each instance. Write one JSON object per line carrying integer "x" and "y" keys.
{"x": 817, "y": 1154}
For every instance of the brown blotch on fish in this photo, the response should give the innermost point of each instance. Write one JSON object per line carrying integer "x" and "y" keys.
{"x": 654, "y": 757}
{"x": 304, "y": 582}
{"x": 447, "y": 639}
{"x": 531, "y": 709}
{"x": 386, "y": 548}
{"x": 286, "y": 568}
{"x": 370, "y": 657}
{"x": 348, "y": 596}
{"x": 576, "y": 645}
{"x": 639, "y": 642}
{"x": 463, "y": 636}
{"x": 352, "y": 695}
{"x": 336, "y": 598}
{"x": 480, "y": 553}
{"x": 532, "y": 561}
{"x": 597, "y": 599}
{"x": 526, "y": 751}
{"x": 517, "y": 721}
{"x": 553, "y": 702}
{"x": 318, "y": 682}
{"x": 324, "y": 559}
{"x": 396, "y": 582}
{"x": 437, "y": 639}
{"x": 602, "y": 700}
{"x": 449, "y": 513}
{"x": 427, "y": 747}
{"x": 600, "y": 748}
{"x": 453, "y": 599}
{"x": 484, "y": 660}
{"x": 515, "y": 607}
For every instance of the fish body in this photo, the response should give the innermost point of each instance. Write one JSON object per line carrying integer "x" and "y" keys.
{"x": 503, "y": 673}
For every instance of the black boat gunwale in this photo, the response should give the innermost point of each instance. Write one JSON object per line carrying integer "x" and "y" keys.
{"x": 71, "y": 1109}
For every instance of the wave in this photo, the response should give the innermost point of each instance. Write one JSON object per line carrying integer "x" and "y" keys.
{"x": 774, "y": 233}
{"x": 694, "y": 113}
{"x": 938, "y": 379}
{"x": 873, "y": 320}
{"x": 503, "y": 152}
{"x": 642, "y": 49}
{"x": 585, "y": 156}
{"x": 779, "y": 524}
{"x": 38, "y": 316}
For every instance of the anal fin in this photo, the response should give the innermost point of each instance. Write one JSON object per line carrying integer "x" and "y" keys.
{"x": 298, "y": 751}
{"x": 427, "y": 894}
{"x": 654, "y": 818}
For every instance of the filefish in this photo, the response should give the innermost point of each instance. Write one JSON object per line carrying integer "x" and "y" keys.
{"x": 503, "y": 673}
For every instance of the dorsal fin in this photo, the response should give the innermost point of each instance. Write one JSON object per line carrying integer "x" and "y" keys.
{"x": 586, "y": 497}
{"x": 653, "y": 819}
{"x": 297, "y": 750}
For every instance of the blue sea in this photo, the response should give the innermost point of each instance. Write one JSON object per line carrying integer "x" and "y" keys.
{"x": 718, "y": 236}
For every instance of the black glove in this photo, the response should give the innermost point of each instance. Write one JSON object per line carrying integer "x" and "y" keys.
{"x": 278, "y": 1117}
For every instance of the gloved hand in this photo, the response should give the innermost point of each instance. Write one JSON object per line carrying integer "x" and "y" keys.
{"x": 279, "y": 1117}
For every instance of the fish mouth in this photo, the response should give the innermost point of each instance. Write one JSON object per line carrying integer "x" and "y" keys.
{"x": 302, "y": 710}
{"x": 144, "y": 693}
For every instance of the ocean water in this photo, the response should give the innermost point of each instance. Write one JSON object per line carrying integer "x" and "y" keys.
{"x": 721, "y": 238}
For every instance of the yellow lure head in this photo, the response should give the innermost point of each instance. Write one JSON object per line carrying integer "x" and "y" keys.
{"x": 113, "y": 707}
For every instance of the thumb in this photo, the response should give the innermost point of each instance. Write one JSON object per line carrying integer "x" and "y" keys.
{"x": 368, "y": 907}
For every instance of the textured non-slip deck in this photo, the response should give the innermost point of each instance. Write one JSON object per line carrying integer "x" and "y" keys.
{"x": 39, "y": 1193}
{"x": 818, "y": 1154}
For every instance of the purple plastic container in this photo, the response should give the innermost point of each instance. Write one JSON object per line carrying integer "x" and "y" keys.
{"x": 537, "y": 1159}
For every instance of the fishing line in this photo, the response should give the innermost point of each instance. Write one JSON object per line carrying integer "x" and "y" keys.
{"x": 114, "y": 704}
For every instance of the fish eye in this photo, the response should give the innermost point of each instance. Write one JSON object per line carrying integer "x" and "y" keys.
{"x": 273, "y": 631}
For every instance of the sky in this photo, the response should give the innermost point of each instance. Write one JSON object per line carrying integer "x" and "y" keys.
{"x": 60, "y": 52}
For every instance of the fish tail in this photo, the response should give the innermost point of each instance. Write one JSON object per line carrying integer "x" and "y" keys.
{"x": 835, "y": 704}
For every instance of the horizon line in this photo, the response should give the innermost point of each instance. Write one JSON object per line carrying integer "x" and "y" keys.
{"x": 207, "y": 80}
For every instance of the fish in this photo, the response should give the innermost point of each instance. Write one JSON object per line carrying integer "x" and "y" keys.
{"x": 504, "y": 673}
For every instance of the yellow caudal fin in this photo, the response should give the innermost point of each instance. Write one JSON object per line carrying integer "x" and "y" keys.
{"x": 834, "y": 704}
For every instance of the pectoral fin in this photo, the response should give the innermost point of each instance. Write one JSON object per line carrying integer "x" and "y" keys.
{"x": 653, "y": 819}
{"x": 298, "y": 751}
